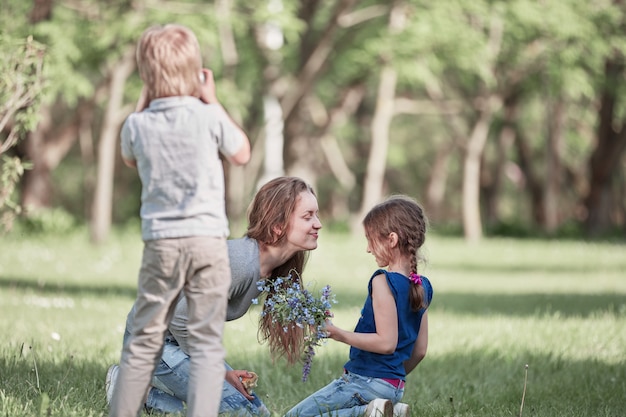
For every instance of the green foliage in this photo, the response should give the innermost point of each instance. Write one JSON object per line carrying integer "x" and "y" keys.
{"x": 21, "y": 86}
{"x": 54, "y": 221}
{"x": 11, "y": 169}
{"x": 549, "y": 50}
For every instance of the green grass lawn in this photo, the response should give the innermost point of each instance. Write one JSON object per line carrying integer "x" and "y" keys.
{"x": 557, "y": 306}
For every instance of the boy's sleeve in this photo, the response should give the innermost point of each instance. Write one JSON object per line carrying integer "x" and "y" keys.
{"x": 230, "y": 139}
{"x": 126, "y": 141}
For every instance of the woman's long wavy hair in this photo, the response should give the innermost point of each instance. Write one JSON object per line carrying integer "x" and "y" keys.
{"x": 269, "y": 218}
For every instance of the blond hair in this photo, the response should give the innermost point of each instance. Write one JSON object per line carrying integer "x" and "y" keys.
{"x": 169, "y": 61}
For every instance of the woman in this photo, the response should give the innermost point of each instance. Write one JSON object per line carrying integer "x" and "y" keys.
{"x": 283, "y": 225}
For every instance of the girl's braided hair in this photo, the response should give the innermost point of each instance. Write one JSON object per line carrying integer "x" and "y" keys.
{"x": 405, "y": 217}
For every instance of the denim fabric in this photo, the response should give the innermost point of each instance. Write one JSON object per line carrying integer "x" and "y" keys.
{"x": 170, "y": 381}
{"x": 347, "y": 396}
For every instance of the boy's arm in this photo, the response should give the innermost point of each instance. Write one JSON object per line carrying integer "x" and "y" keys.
{"x": 130, "y": 162}
{"x": 207, "y": 95}
{"x": 243, "y": 155}
{"x": 142, "y": 103}
{"x": 421, "y": 344}
{"x": 127, "y": 154}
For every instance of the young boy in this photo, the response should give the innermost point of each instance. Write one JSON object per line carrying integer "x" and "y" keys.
{"x": 174, "y": 141}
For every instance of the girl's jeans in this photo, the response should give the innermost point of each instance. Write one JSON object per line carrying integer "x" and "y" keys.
{"x": 170, "y": 382}
{"x": 347, "y": 396}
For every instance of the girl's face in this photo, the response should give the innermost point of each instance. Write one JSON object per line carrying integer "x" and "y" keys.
{"x": 380, "y": 254}
{"x": 304, "y": 223}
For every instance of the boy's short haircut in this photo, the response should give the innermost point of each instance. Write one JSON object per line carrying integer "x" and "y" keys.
{"x": 169, "y": 61}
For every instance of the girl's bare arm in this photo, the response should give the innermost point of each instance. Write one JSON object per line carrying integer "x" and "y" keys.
{"x": 385, "y": 340}
{"x": 421, "y": 345}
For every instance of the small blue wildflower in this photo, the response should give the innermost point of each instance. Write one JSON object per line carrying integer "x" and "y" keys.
{"x": 291, "y": 305}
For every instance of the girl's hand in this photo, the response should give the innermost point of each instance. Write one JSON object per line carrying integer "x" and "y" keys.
{"x": 385, "y": 340}
{"x": 331, "y": 330}
{"x": 232, "y": 377}
{"x": 207, "y": 88}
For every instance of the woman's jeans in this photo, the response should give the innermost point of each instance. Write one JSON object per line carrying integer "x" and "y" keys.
{"x": 170, "y": 381}
{"x": 347, "y": 396}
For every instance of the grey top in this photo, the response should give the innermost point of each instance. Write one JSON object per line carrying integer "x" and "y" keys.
{"x": 245, "y": 270}
{"x": 176, "y": 143}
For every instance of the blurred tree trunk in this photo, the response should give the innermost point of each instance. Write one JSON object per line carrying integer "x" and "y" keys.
{"x": 456, "y": 130}
{"x": 486, "y": 104}
{"x": 45, "y": 147}
{"x": 381, "y": 123}
{"x": 235, "y": 175}
{"x": 381, "y": 120}
{"x": 87, "y": 153}
{"x": 115, "y": 112}
{"x": 302, "y": 152}
{"x": 493, "y": 175}
{"x": 437, "y": 180}
{"x": 531, "y": 181}
{"x": 472, "y": 223}
{"x": 554, "y": 171}
{"x": 346, "y": 107}
{"x": 605, "y": 159}
{"x": 42, "y": 10}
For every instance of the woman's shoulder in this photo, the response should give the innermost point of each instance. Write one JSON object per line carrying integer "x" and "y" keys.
{"x": 242, "y": 245}
{"x": 243, "y": 254}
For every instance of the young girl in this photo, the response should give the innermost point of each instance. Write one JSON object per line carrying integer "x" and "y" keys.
{"x": 391, "y": 336}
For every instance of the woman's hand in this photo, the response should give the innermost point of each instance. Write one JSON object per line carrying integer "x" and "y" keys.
{"x": 232, "y": 377}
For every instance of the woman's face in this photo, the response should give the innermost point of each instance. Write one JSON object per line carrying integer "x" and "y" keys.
{"x": 304, "y": 223}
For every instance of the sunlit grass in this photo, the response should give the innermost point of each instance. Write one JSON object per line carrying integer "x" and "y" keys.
{"x": 559, "y": 307}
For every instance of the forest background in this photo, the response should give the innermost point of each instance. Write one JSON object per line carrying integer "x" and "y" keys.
{"x": 501, "y": 117}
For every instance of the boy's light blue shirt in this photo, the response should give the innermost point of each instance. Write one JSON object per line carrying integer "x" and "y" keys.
{"x": 176, "y": 143}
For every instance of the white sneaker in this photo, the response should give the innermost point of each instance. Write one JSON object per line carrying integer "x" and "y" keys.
{"x": 401, "y": 410}
{"x": 379, "y": 408}
{"x": 111, "y": 379}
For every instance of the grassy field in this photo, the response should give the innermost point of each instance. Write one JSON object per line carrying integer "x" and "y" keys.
{"x": 557, "y": 306}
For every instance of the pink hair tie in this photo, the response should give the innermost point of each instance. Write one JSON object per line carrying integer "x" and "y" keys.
{"x": 416, "y": 279}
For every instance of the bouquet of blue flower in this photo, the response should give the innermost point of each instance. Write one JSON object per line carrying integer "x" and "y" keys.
{"x": 295, "y": 317}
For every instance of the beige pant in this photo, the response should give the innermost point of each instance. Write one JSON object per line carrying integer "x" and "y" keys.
{"x": 199, "y": 266}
